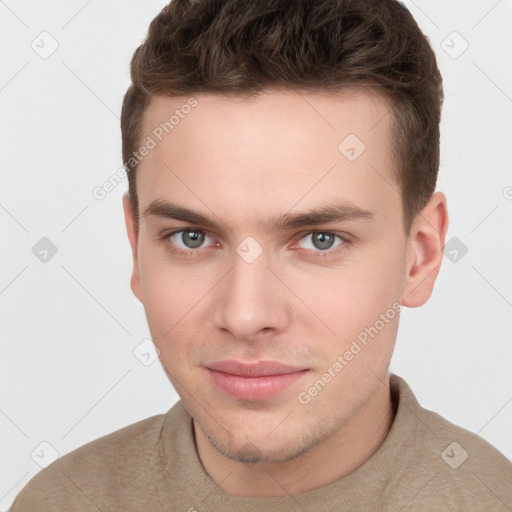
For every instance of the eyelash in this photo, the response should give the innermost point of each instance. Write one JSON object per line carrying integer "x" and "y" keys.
{"x": 192, "y": 253}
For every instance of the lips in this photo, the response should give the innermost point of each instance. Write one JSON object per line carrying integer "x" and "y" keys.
{"x": 258, "y": 369}
{"x": 253, "y": 381}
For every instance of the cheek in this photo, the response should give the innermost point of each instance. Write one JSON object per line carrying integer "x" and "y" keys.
{"x": 172, "y": 295}
{"x": 172, "y": 301}
{"x": 356, "y": 309}
{"x": 357, "y": 292}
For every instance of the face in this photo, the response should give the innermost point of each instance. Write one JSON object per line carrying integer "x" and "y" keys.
{"x": 263, "y": 280}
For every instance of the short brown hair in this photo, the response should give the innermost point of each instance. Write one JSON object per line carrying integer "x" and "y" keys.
{"x": 243, "y": 47}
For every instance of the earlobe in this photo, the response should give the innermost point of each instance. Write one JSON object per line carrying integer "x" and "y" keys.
{"x": 131, "y": 229}
{"x": 425, "y": 251}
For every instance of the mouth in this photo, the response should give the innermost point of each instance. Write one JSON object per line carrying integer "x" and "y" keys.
{"x": 253, "y": 381}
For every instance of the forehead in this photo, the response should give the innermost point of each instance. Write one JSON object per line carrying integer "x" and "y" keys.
{"x": 298, "y": 111}
{"x": 269, "y": 152}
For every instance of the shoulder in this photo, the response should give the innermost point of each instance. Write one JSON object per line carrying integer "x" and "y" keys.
{"x": 84, "y": 477}
{"x": 451, "y": 466}
{"x": 468, "y": 466}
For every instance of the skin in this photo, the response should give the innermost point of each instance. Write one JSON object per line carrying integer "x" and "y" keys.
{"x": 243, "y": 161}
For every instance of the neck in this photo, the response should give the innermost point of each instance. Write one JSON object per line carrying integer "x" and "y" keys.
{"x": 332, "y": 459}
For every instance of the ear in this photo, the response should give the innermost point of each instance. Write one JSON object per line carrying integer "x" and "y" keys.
{"x": 424, "y": 251}
{"x": 131, "y": 228}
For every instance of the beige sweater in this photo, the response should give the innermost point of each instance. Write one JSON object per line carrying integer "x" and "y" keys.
{"x": 425, "y": 463}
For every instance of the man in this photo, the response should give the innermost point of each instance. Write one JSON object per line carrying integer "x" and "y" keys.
{"x": 282, "y": 162}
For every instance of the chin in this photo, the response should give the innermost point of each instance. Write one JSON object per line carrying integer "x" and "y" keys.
{"x": 254, "y": 446}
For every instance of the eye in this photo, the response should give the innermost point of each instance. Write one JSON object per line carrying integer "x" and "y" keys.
{"x": 321, "y": 243}
{"x": 186, "y": 241}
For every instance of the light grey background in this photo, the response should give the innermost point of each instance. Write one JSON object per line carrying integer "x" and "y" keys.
{"x": 70, "y": 325}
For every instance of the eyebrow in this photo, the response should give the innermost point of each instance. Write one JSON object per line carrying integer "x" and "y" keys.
{"x": 312, "y": 217}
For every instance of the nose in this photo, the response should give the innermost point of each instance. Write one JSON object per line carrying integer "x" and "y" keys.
{"x": 251, "y": 300}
